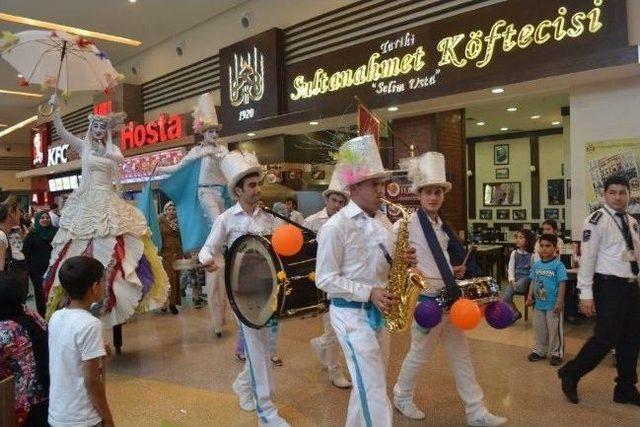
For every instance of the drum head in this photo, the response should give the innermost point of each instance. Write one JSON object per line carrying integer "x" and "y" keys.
{"x": 251, "y": 280}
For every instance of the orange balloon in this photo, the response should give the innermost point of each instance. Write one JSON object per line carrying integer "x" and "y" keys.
{"x": 287, "y": 240}
{"x": 465, "y": 314}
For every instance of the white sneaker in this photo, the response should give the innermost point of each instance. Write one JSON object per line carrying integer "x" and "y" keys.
{"x": 338, "y": 379}
{"x": 246, "y": 402}
{"x": 487, "y": 420}
{"x": 319, "y": 350}
{"x": 276, "y": 422}
{"x": 409, "y": 410}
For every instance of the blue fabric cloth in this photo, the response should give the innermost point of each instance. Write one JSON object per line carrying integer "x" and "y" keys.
{"x": 145, "y": 204}
{"x": 182, "y": 189}
{"x": 374, "y": 316}
{"x": 522, "y": 264}
{"x": 546, "y": 277}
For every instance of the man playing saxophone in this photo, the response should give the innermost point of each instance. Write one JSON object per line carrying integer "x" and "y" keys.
{"x": 352, "y": 267}
{"x": 432, "y": 239}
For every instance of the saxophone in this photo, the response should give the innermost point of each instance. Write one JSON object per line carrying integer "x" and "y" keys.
{"x": 404, "y": 282}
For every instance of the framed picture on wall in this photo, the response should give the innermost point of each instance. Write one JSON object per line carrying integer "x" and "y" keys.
{"x": 501, "y": 154}
{"x": 502, "y": 173}
{"x": 555, "y": 191}
{"x": 501, "y": 193}
{"x": 486, "y": 214}
{"x": 519, "y": 214}
{"x": 552, "y": 213}
{"x": 503, "y": 214}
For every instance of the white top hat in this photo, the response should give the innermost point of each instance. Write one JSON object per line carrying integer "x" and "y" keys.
{"x": 235, "y": 165}
{"x": 428, "y": 170}
{"x": 359, "y": 160}
{"x": 335, "y": 187}
{"x": 204, "y": 115}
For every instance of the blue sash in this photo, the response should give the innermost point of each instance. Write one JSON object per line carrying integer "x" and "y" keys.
{"x": 374, "y": 317}
{"x": 438, "y": 255}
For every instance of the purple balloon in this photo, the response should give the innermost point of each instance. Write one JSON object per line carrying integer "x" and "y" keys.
{"x": 499, "y": 315}
{"x": 428, "y": 314}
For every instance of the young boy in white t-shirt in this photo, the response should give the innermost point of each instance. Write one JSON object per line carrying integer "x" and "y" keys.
{"x": 77, "y": 395}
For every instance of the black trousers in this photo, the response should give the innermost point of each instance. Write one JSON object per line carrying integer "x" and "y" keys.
{"x": 617, "y": 326}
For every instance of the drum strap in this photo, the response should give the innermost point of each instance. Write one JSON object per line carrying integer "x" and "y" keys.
{"x": 438, "y": 255}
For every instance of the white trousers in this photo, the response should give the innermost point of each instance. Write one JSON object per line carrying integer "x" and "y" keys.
{"x": 329, "y": 344}
{"x": 256, "y": 379}
{"x": 423, "y": 343}
{"x": 211, "y": 201}
{"x": 216, "y": 298}
{"x": 367, "y": 355}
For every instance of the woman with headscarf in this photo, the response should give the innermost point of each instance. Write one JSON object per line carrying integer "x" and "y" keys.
{"x": 171, "y": 251}
{"x": 97, "y": 222}
{"x": 37, "y": 252}
{"x": 24, "y": 354}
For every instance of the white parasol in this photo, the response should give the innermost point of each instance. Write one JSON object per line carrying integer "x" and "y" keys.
{"x": 59, "y": 60}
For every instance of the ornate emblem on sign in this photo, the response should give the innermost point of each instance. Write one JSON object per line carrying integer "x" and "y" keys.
{"x": 246, "y": 78}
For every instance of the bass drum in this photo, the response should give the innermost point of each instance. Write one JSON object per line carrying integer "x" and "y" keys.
{"x": 261, "y": 285}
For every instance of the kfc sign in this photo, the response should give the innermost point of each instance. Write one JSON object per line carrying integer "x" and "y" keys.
{"x": 58, "y": 155}
{"x": 161, "y": 130}
{"x": 39, "y": 142}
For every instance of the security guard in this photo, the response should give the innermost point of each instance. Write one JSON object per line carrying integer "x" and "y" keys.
{"x": 608, "y": 283}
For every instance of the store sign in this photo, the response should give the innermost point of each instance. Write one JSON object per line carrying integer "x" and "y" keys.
{"x": 504, "y": 43}
{"x": 139, "y": 168}
{"x": 58, "y": 155}
{"x": 250, "y": 80}
{"x": 65, "y": 183}
{"x": 39, "y": 142}
{"x": 165, "y": 128}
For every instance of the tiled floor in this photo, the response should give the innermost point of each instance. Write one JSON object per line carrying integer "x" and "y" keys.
{"x": 174, "y": 372}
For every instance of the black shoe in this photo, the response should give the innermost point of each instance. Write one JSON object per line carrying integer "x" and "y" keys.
{"x": 569, "y": 386}
{"x": 174, "y": 309}
{"x": 534, "y": 357}
{"x": 555, "y": 361}
{"x": 626, "y": 394}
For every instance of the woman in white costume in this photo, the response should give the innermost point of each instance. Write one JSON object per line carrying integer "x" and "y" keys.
{"x": 97, "y": 222}
{"x": 213, "y": 193}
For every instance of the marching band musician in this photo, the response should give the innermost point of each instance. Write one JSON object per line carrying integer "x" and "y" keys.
{"x": 432, "y": 239}
{"x": 254, "y": 385}
{"x": 326, "y": 346}
{"x": 352, "y": 268}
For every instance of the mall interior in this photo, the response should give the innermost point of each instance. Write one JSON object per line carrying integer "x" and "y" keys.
{"x": 534, "y": 105}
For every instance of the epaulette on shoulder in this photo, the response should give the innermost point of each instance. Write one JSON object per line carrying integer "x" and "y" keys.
{"x": 595, "y": 217}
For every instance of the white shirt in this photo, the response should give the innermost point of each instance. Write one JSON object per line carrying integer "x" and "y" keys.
{"x": 426, "y": 262}
{"x": 231, "y": 224}
{"x": 55, "y": 218}
{"x": 316, "y": 221}
{"x": 75, "y": 336}
{"x": 296, "y": 217}
{"x": 602, "y": 248}
{"x": 13, "y": 242}
{"x": 350, "y": 262}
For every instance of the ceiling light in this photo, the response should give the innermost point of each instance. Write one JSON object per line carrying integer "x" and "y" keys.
{"x": 481, "y": 123}
{"x": 2, "y": 125}
{"x": 392, "y": 109}
{"x": 497, "y": 90}
{"x": 13, "y": 92}
{"x": 504, "y": 129}
{"x": 59, "y": 27}
{"x": 512, "y": 109}
{"x": 314, "y": 123}
{"x": 251, "y": 134}
{"x": 18, "y": 125}
{"x": 555, "y": 123}
{"x": 132, "y": 1}
{"x": 536, "y": 117}
{"x": 20, "y": 76}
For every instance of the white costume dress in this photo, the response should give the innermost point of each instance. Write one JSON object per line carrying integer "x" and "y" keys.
{"x": 349, "y": 265}
{"x": 211, "y": 194}
{"x": 97, "y": 222}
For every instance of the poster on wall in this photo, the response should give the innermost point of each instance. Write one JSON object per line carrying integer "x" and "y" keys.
{"x": 609, "y": 158}
{"x": 398, "y": 190}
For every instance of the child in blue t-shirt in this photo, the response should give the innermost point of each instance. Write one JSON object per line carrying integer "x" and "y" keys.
{"x": 546, "y": 293}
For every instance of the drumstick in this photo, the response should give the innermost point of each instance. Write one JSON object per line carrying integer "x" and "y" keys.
{"x": 472, "y": 248}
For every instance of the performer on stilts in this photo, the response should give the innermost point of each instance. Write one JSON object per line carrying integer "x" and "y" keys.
{"x": 433, "y": 241}
{"x": 97, "y": 222}
{"x": 254, "y": 385}
{"x": 326, "y": 346}
{"x": 212, "y": 192}
{"x": 352, "y": 268}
